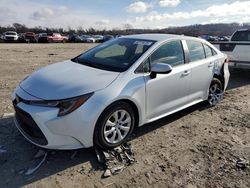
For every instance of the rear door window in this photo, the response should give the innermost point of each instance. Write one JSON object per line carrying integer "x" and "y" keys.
{"x": 196, "y": 50}
{"x": 208, "y": 51}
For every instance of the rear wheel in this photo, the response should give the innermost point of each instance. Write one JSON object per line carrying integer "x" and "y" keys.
{"x": 114, "y": 125}
{"x": 215, "y": 92}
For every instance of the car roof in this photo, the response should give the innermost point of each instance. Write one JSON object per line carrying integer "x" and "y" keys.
{"x": 10, "y": 32}
{"x": 158, "y": 37}
{"x": 243, "y": 29}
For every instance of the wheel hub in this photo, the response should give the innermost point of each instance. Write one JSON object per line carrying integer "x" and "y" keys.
{"x": 215, "y": 94}
{"x": 117, "y": 126}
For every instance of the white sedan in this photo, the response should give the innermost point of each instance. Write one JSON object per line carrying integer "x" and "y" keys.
{"x": 100, "y": 96}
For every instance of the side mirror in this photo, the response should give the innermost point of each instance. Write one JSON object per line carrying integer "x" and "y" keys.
{"x": 160, "y": 68}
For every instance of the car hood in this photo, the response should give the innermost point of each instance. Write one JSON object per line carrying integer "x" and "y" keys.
{"x": 65, "y": 80}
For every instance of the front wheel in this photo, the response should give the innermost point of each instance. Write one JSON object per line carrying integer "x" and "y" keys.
{"x": 114, "y": 125}
{"x": 215, "y": 94}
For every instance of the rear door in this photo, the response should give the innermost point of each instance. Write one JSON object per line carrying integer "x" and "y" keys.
{"x": 202, "y": 61}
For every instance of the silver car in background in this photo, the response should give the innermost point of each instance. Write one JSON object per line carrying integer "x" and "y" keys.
{"x": 100, "y": 96}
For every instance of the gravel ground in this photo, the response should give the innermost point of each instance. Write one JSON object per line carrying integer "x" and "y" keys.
{"x": 197, "y": 147}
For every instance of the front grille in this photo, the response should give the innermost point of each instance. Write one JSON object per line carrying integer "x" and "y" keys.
{"x": 10, "y": 38}
{"x": 29, "y": 37}
{"x": 29, "y": 126}
{"x": 43, "y": 39}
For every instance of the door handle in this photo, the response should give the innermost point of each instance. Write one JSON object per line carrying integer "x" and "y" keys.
{"x": 186, "y": 73}
{"x": 211, "y": 64}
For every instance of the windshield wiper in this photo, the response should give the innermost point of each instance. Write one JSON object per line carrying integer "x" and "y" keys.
{"x": 98, "y": 66}
{"x": 87, "y": 63}
{"x": 75, "y": 59}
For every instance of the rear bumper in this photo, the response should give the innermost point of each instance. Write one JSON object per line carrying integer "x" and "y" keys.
{"x": 226, "y": 74}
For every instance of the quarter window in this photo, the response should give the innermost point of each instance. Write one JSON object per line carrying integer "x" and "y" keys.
{"x": 214, "y": 52}
{"x": 196, "y": 51}
{"x": 170, "y": 53}
{"x": 208, "y": 51}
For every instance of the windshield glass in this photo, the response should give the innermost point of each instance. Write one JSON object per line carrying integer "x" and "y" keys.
{"x": 115, "y": 55}
{"x": 10, "y": 33}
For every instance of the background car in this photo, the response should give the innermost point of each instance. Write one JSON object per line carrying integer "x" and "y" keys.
{"x": 74, "y": 38}
{"x": 56, "y": 37}
{"x": 42, "y": 37}
{"x": 98, "y": 38}
{"x": 10, "y": 36}
{"x": 237, "y": 48}
{"x": 87, "y": 39}
{"x": 223, "y": 38}
{"x": 30, "y": 37}
{"x": 107, "y": 38}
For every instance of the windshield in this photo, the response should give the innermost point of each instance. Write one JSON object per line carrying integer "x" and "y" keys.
{"x": 10, "y": 33}
{"x": 116, "y": 55}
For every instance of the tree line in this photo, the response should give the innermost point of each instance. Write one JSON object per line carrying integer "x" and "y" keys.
{"x": 220, "y": 29}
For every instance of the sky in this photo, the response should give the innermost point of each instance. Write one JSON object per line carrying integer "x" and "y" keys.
{"x": 110, "y": 14}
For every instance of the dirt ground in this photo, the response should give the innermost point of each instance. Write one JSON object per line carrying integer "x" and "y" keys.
{"x": 197, "y": 147}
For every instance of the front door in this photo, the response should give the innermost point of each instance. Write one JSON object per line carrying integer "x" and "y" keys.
{"x": 167, "y": 92}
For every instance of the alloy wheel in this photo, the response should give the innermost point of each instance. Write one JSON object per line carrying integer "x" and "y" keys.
{"x": 117, "y": 126}
{"x": 215, "y": 94}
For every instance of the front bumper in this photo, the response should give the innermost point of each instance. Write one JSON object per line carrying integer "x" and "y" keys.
{"x": 42, "y": 127}
{"x": 10, "y": 38}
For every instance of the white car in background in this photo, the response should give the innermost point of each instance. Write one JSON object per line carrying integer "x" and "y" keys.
{"x": 237, "y": 48}
{"x": 87, "y": 39}
{"x": 10, "y": 36}
{"x": 100, "y": 96}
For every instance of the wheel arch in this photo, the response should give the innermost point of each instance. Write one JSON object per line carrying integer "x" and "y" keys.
{"x": 130, "y": 102}
{"x": 135, "y": 109}
{"x": 220, "y": 77}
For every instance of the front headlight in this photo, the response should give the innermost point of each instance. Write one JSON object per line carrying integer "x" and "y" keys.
{"x": 65, "y": 106}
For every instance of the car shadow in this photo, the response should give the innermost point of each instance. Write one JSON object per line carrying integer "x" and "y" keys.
{"x": 17, "y": 154}
{"x": 149, "y": 127}
{"x": 238, "y": 78}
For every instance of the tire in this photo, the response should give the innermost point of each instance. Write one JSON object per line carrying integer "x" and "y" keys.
{"x": 215, "y": 94}
{"x": 117, "y": 129}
